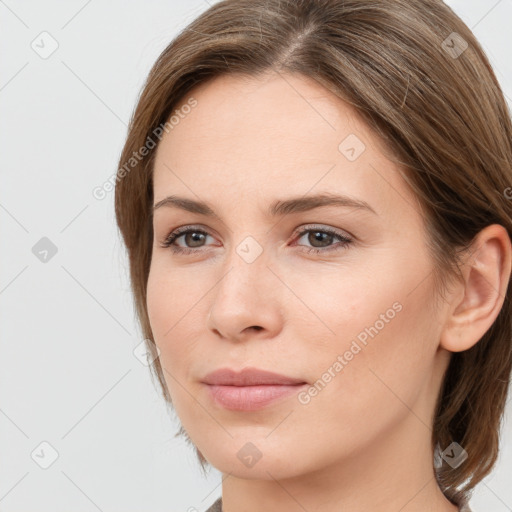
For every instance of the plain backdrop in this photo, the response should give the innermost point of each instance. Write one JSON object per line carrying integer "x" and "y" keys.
{"x": 73, "y": 395}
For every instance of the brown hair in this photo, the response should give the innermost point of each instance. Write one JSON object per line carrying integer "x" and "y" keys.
{"x": 419, "y": 78}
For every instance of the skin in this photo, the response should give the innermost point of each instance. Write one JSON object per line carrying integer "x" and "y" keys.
{"x": 363, "y": 442}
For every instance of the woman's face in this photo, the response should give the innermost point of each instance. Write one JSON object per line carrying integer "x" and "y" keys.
{"x": 344, "y": 308}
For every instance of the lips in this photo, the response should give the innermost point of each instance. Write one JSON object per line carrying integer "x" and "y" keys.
{"x": 249, "y": 377}
{"x": 250, "y": 389}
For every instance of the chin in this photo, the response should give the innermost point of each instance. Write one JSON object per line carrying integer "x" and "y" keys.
{"x": 276, "y": 466}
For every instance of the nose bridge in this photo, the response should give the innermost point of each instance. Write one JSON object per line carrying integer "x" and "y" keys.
{"x": 244, "y": 290}
{"x": 247, "y": 262}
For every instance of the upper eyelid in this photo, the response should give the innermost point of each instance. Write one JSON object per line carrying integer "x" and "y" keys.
{"x": 181, "y": 230}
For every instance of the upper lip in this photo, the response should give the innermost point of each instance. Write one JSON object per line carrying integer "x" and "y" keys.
{"x": 248, "y": 377}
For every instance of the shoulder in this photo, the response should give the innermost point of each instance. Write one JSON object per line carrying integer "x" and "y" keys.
{"x": 217, "y": 506}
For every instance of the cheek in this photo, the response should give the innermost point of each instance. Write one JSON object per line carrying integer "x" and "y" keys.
{"x": 172, "y": 317}
{"x": 386, "y": 339}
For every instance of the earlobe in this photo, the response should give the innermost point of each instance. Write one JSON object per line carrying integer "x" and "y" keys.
{"x": 486, "y": 274}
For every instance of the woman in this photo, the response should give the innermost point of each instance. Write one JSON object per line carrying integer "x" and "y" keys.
{"x": 315, "y": 199}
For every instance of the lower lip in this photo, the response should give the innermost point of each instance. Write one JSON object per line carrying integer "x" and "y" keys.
{"x": 251, "y": 398}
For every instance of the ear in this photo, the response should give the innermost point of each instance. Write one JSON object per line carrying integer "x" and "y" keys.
{"x": 478, "y": 298}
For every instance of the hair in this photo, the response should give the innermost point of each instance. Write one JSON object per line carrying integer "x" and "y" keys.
{"x": 418, "y": 77}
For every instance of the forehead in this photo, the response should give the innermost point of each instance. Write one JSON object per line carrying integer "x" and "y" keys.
{"x": 290, "y": 117}
{"x": 271, "y": 135}
{"x": 274, "y": 108}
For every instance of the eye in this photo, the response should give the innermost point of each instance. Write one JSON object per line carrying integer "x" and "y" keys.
{"x": 192, "y": 236}
{"x": 321, "y": 239}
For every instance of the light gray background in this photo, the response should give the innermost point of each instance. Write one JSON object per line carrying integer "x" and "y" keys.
{"x": 68, "y": 373}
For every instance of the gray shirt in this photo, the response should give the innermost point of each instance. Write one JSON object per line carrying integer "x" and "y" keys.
{"x": 217, "y": 506}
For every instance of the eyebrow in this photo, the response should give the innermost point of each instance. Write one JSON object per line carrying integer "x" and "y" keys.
{"x": 277, "y": 208}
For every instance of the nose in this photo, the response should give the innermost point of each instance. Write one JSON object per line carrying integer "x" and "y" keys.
{"x": 247, "y": 301}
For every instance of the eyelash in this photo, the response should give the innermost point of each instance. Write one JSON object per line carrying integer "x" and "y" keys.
{"x": 167, "y": 243}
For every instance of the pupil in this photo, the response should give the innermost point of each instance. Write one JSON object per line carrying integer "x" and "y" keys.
{"x": 196, "y": 237}
{"x": 318, "y": 236}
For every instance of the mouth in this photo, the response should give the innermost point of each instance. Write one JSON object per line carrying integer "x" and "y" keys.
{"x": 250, "y": 389}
